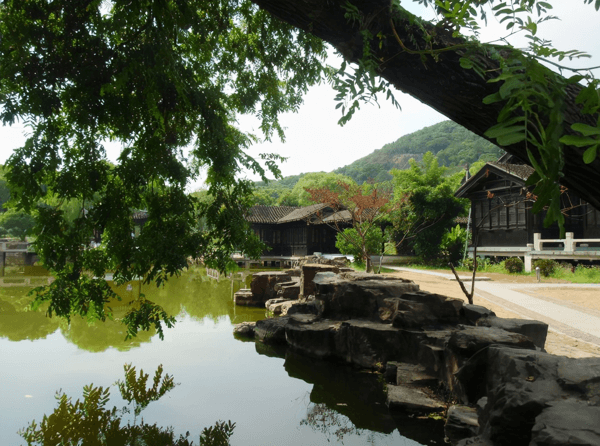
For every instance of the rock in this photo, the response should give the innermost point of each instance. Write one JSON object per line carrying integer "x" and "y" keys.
{"x": 474, "y": 441}
{"x": 294, "y": 272}
{"x": 263, "y": 285}
{"x": 313, "y": 339}
{"x": 535, "y": 330}
{"x": 273, "y": 302}
{"x": 272, "y": 330}
{"x": 368, "y": 344}
{"x": 461, "y": 422}
{"x": 411, "y": 399}
{"x": 391, "y": 370}
{"x": 420, "y": 309}
{"x": 467, "y": 361}
{"x": 243, "y": 297}
{"x": 303, "y": 318}
{"x": 568, "y": 422}
{"x": 303, "y": 308}
{"x": 520, "y": 385}
{"x": 582, "y": 377}
{"x": 414, "y": 374}
{"x": 309, "y": 271}
{"x": 289, "y": 291}
{"x": 244, "y": 330}
{"x": 359, "y": 295}
{"x": 472, "y": 313}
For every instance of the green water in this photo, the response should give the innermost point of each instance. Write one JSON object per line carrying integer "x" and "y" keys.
{"x": 274, "y": 397}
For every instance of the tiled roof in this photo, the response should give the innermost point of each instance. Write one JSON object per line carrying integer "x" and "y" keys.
{"x": 302, "y": 213}
{"x": 140, "y": 215}
{"x": 521, "y": 171}
{"x": 338, "y": 216}
{"x": 461, "y": 220}
{"x": 269, "y": 214}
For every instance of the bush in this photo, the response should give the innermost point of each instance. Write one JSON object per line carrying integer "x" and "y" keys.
{"x": 547, "y": 266}
{"x": 453, "y": 243}
{"x": 514, "y": 265}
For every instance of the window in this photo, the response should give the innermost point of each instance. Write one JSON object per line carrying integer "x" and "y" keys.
{"x": 512, "y": 216}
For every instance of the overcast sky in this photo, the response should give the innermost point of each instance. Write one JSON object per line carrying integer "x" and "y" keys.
{"x": 314, "y": 140}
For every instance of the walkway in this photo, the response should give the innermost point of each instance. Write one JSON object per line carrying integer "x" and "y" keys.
{"x": 563, "y": 317}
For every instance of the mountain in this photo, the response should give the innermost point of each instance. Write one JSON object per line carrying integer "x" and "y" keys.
{"x": 454, "y": 146}
{"x": 451, "y": 143}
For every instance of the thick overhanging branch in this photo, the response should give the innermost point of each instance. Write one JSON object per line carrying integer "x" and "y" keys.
{"x": 442, "y": 83}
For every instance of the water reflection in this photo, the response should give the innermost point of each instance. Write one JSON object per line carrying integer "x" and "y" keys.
{"x": 193, "y": 293}
{"x": 275, "y": 397}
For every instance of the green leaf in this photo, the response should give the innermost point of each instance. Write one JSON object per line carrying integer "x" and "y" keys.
{"x": 509, "y": 139}
{"x": 502, "y": 130}
{"x": 590, "y": 154}
{"x": 586, "y": 130}
{"x": 578, "y": 141}
{"x": 465, "y": 63}
{"x": 490, "y": 99}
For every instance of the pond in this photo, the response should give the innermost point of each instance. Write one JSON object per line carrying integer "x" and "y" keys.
{"x": 274, "y": 397}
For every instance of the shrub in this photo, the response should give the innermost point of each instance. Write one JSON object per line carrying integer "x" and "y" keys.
{"x": 514, "y": 265}
{"x": 453, "y": 243}
{"x": 547, "y": 266}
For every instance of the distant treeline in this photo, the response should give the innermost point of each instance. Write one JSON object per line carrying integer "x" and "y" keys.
{"x": 453, "y": 145}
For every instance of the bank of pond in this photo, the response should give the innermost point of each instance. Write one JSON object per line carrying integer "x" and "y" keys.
{"x": 274, "y": 396}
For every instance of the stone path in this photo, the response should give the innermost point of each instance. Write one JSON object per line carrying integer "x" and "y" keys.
{"x": 563, "y": 317}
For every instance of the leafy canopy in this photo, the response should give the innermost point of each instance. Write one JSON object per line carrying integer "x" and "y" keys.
{"x": 158, "y": 78}
{"x": 429, "y": 206}
{"x": 534, "y": 101}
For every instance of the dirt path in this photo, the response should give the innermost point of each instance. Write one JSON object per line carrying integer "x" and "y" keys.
{"x": 556, "y": 343}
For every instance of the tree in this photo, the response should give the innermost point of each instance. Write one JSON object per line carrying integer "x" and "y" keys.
{"x": 362, "y": 207}
{"x": 156, "y": 77}
{"x": 16, "y": 224}
{"x": 430, "y": 207}
{"x": 90, "y": 422}
{"x": 159, "y": 76}
{"x": 500, "y": 92}
{"x": 300, "y": 194}
{"x": 349, "y": 241}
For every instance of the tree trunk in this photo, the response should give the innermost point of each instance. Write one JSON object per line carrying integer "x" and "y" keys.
{"x": 368, "y": 264}
{"x": 443, "y": 84}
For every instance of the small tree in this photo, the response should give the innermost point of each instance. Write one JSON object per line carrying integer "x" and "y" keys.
{"x": 16, "y": 224}
{"x": 428, "y": 204}
{"x": 362, "y": 207}
{"x": 349, "y": 242}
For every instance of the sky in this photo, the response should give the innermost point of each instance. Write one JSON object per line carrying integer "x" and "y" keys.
{"x": 314, "y": 140}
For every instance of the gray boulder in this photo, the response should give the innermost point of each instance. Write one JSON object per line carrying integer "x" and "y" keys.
{"x": 472, "y": 313}
{"x": 411, "y": 399}
{"x": 244, "y": 297}
{"x": 535, "y": 330}
{"x": 263, "y": 285}
{"x": 244, "y": 330}
{"x": 358, "y": 295}
{"x": 567, "y": 422}
{"x": 272, "y": 330}
{"x": 461, "y": 422}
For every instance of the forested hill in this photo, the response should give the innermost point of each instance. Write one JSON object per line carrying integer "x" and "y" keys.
{"x": 451, "y": 143}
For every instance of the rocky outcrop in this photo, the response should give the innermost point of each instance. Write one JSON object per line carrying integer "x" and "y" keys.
{"x": 461, "y": 422}
{"x": 534, "y": 330}
{"x": 244, "y": 297}
{"x": 262, "y": 288}
{"x": 244, "y": 330}
{"x": 510, "y": 392}
{"x": 310, "y": 270}
{"x": 351, "y": 294}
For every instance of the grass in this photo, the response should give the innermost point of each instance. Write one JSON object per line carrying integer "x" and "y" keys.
{"x": 582, "y": 274}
